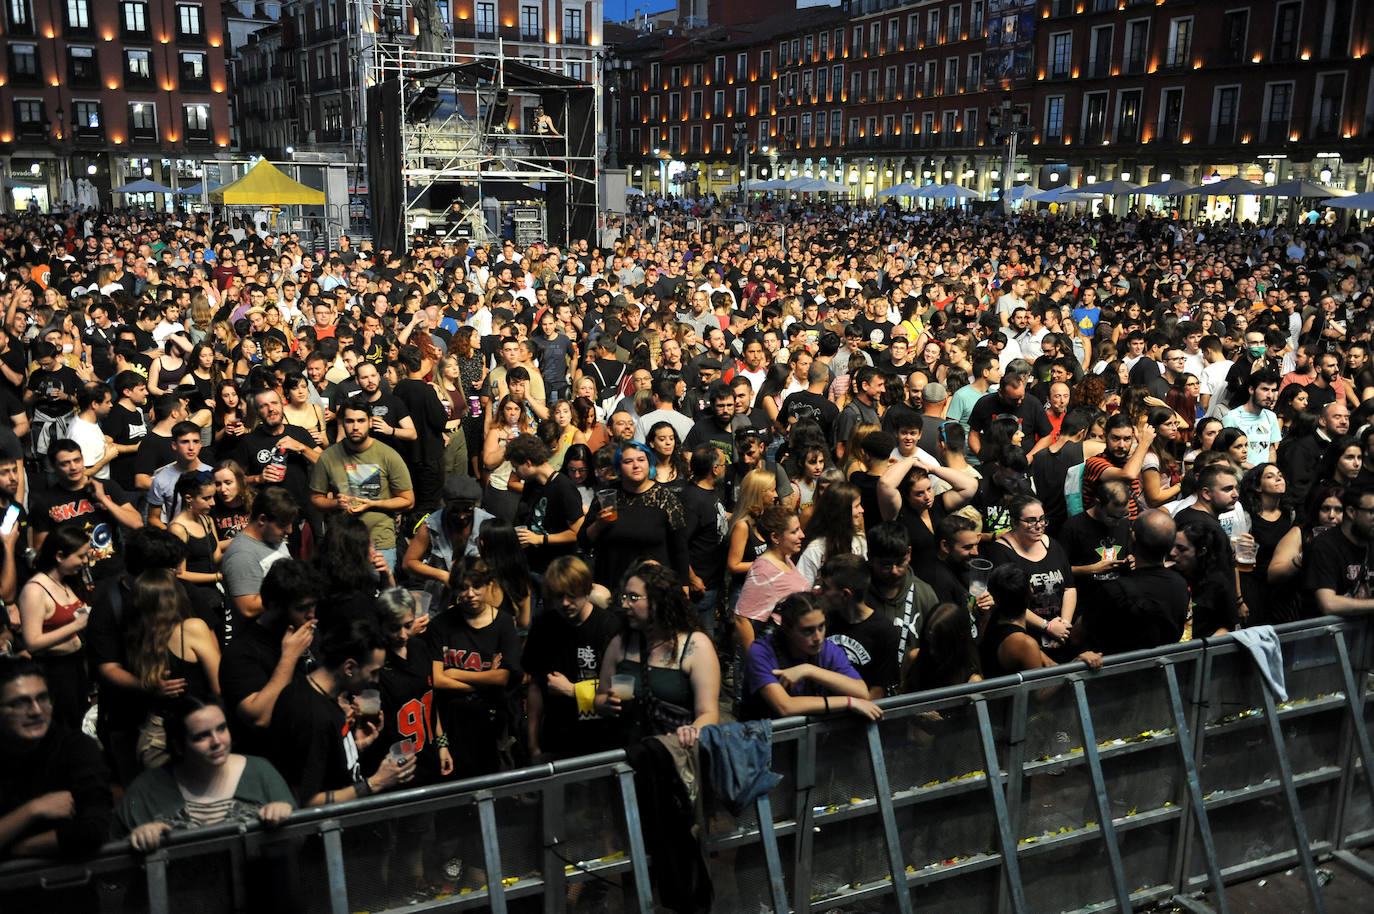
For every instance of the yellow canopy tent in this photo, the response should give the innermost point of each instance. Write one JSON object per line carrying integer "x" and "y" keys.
{"x": 266, "y": 185}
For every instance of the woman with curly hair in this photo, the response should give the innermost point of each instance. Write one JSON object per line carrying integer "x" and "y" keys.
{"x": 348, "y": 563}
{"x": 672, "y": 663}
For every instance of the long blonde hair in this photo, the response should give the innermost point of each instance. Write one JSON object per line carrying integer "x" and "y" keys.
{"x": 753, "y": 489}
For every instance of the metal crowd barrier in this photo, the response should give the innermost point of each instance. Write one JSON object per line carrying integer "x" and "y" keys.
{"x": 1168, "y": 773}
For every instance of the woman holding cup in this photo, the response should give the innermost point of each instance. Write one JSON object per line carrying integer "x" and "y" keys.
{"x": 660, "y": 675}
{"x": 637, "y": 519}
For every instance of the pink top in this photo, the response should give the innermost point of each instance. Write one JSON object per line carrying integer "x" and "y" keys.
{"x": 766, "y": 586}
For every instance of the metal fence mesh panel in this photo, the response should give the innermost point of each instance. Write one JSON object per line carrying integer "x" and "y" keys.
{"x": 1089, "y": 788}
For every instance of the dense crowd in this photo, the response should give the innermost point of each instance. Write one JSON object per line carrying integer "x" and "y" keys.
{"x": 283, "y": 527}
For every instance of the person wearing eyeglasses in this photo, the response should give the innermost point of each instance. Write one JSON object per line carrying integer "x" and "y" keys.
{"x": 1052, "y": 596}
{"x": 54, "y": 786}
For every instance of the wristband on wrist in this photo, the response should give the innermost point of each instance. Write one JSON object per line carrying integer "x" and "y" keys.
{"x": 849, "y": 701}
{"x": 441, "y": 741}
{"x": 362, "y": 788}
{"x": 826, "y": 699}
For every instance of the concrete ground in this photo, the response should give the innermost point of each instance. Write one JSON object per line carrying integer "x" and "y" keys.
{"x": 1285, "y": 892}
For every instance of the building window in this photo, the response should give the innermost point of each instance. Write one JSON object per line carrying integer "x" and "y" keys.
{"x": 720, "y": 69}
{"x": 138, "y": 67}
{"x": 836, "y": 127}
{"x": 765, "y": 64}
{"x": 190, "y": 21}
{"x": 1235, "y": 26}
{"x": 86, "y": 117}
{"x": 1278, "y": 109}
{"x": 1171, "y": 116}
{"x": 1100, "y": 54}
{"x": 28, "y": 115}
{"x": 695, "y": 137}
{"x": 81, "y": 68}
{"x": 529, "y": 23}
{"x": 1128, "y": 117}
{"x": 1054, "y": 118}
{"x": 953, "y": 32}
{"x": 695, "y": 112}
{"x": 718, "y": 103}
{"x": 78, "y": 15}
{"x": 975, "y": 73}
{"x": 486, "y": 20}
{"x": 1137, "y": 34}
{"x": 196, "y": 118}
{"x": 674, "y": 106}
{"x": 1224, "y": 112}
{"x": 822, "y": 128}
{"x": 718, "y": 138}
{"x": 764, "y": 134}
{"x": 1330, "y": 101}
{"x": 192, "y": 66}
{"x": 1287, "y": 18}
{"x": 133, "y": 18}
{"x": 765, "y": 99}
{"x": 574, "y": 70}
{"x": 143, "y": 119}
{"x": 24, "y": 62}
{"x": 572, "y": 27}
{"x": 741, "y": 102}
{"x": 1061, "y": 50}
{"x": 951, "y": 75}
{"x": 20, "y": 18}
{"x": 975, "y": 19}
{"x": 823, "y": 46}
{"x": 1180, "y": 51}
{"x": 741, "y": 67}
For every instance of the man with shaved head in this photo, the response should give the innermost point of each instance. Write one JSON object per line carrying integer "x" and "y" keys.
{"x": 1148, "y": 605}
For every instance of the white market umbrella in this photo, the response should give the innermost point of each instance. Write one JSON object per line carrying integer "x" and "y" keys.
{"x": 1169, "y": 188}
{"x": 1356, "y": 201}
{"x": 1056, "y": 194}
{"x": 1023, "y": 192}
{"x": 633, "y": 192}
{"x": 957, "y": 191}
{"x": 1231, "y": 187}
{"x": 1112, "y": 188}
{"x": 905, "y": 189}
{"x": 1302, "y": 190}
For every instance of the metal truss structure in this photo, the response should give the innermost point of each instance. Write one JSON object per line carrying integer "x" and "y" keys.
{"x": 461, "y": 129}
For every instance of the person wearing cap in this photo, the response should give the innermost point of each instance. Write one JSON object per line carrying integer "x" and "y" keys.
{"x": 447, "y": 535}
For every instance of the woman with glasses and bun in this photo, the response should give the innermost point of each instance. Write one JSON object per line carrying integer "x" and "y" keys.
{"x": 1052, "y": 597}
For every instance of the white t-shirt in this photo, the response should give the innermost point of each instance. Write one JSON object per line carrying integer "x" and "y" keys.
{"x": 92, "y": 441}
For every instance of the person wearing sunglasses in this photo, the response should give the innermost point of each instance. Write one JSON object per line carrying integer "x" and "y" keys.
{"x": 1052, "y": 596}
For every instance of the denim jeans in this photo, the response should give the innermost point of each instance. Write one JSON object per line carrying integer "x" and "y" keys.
{"x": 705, "y": 606}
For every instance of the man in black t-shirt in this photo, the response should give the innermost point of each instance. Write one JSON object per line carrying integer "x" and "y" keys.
{"x": 563, "y": 658}
{"x": 255, "y": 451}
{"x": 313, "y": 742}
{"x": 97, "y": 508}
{"x": 812, "y": 403}
{"x": 391, "y": 422}
{"x": 550, "y": 511}
{"x": 1011, "y": 399}
{"x": 707, "y": 525}
{"x": 126, "y": 424}
{"x": 1337, "y": 570}
{"x": 1148, "y": 605}
{"x": 868, "y": 639}
{"x": 1098, "y": 541}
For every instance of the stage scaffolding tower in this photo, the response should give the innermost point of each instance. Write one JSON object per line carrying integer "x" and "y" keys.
{"x": 464, "y": 136}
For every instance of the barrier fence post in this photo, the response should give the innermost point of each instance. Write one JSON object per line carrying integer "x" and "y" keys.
{"x": 1196, "y": 806}
{"x": 331, "y": 835}
{"x": 1104, "y": 803}
{"x": 806, "y": 782}
{"x": 1290, "y": 793}
{"x": 639, "y": 857}
{"x": 772, "y": 859}
{"x": 1354, "y": 702}
{"x": 1011, "y": 869}
{"x": 491, "y": 851}
{"x": 156, "y": 867}
{"x": 553, "y": 803}
{"x": 1016, "y": 755}
{"x": 883, "y": 794}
